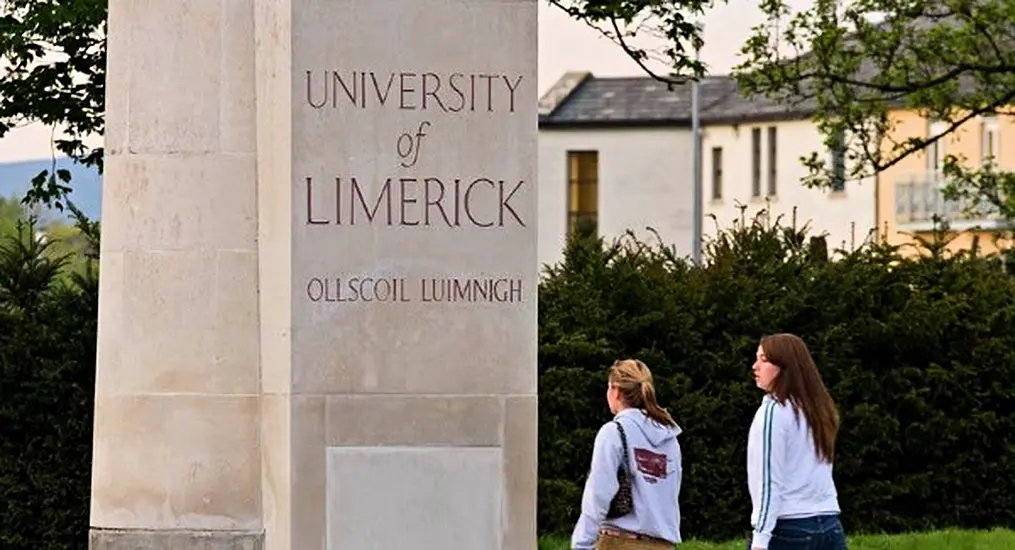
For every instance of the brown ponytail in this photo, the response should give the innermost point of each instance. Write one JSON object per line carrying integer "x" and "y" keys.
{"x": 634, "y": 380}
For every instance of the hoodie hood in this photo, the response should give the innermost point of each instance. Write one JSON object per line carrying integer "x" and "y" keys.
{"x": 654, "y": 461}
{"x": 653, "y": 432}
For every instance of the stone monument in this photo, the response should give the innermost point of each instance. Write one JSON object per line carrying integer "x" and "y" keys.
{"x": 318, "y": 305}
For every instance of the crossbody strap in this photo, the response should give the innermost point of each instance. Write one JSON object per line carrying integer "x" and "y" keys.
{"x": 623, "y": 442}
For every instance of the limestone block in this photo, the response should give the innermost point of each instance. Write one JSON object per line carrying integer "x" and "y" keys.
{"x": 177, "y": 439}
{"x": 176, "y": 203}
{"x": 177, "y": 462}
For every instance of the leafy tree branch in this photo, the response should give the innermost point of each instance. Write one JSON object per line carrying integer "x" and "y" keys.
{"x": 669, "y": 22}
{"x": 951, "y": 61}
{"x": 52, "y": 71}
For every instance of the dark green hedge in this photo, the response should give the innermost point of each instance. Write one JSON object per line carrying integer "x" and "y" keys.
{"x": 919, "y": 354}
{"x": 47, "y": 378}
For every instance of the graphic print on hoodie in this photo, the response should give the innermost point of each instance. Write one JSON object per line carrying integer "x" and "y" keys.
{"x": 655, "y": 461}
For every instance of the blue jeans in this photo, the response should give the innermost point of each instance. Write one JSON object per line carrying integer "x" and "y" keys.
{"x": 813, "y": 533}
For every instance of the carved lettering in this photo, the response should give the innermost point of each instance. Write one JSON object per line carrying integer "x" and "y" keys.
{"x": 409, "y": 90}
{"x": 471, "y": 290}
{"x": 357, "y": 289}
{"x": 310, "y": 212}
{"x": 413, "y": 195}
{"x": 413, "y": 201}
{"x": 354, "y": 189}
{"x": 367, "y": 288}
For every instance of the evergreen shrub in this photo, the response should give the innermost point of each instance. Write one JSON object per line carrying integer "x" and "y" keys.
{"x": 918, "y": 352}
{"x": 47, "y": 379}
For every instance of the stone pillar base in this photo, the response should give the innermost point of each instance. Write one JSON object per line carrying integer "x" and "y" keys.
{"x": 141, "y": 539}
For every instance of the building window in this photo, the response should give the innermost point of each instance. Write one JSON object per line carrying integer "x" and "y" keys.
{"x": 772, "y": 164}
{"x": 583, "y": 190}
{"x": 756, "y": 162}
{"x": 839, "y": 161}
{"x": 716, "y": 173}
{"x": 988, "y": 141}
{"x": 936, "y": 151}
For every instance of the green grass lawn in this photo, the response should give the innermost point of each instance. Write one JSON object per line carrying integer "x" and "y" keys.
{"x": 997, "y": 539}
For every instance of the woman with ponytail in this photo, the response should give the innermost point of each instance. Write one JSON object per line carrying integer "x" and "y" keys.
{"x": 631, "y": 498}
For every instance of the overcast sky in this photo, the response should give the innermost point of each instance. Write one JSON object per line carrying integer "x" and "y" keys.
{"x": 564, "y": 45}
{"x": 568, "y": 45}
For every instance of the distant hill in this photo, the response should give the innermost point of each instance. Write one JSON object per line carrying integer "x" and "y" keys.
{"x": 86, "y": 184}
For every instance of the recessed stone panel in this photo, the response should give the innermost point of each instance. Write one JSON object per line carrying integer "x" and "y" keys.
{"x": 412, "y": 497}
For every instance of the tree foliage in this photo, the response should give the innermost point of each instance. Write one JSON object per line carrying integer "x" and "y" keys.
{"x": 52, "y": 71}
{"x": 11, "y": 212}
{"x": 951, "y": 61}
{"x": 917, "y": 352}
{"x": 628, "y": 23}
{"x": 853, "y": 64}
{"x": 47, "y": 382}
{"x": 75, "y": 243}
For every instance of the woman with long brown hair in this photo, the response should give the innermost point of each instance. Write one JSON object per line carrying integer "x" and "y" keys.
{"x": 631, "y": 495}
{"x": 790, "y": 452}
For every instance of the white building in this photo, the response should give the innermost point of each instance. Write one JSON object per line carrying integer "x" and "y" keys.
{"x": 757, "y": 164}
{"x": 618, "y": 151}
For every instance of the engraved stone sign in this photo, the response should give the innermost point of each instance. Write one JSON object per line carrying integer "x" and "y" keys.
{"x": 411, "y": 268}
{"x": 317, "y": 317}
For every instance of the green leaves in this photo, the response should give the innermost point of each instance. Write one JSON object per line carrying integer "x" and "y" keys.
{"x": 47, "y": 383}
{"x": 853, "y": 65}
{"x": 53, "y": 69}
{"x": 983, "y": 189}
{"x": 672, "y": 22}
{"x": 951, "y": 61}
{"x": 26, "y": 271}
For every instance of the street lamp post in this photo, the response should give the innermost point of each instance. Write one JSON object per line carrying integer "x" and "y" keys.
{"x": 697, "y": 211}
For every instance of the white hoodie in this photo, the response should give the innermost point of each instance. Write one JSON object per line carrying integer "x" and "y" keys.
{"x": 653, "y": 456}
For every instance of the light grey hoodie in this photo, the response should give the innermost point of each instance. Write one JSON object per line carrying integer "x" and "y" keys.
{"x": 653, "y": 455}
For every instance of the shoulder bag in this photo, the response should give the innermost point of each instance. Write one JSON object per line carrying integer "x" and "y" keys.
{"x": 622, "y": 503}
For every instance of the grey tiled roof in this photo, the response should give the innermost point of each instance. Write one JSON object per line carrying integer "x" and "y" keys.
{"x": 633, "y": 101}
{"x": 642, "y": 100}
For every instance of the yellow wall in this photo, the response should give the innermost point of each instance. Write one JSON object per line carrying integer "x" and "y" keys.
{"x": 965, "y": 142}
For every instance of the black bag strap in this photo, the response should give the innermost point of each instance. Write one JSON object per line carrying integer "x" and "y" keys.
{"x": 623, "y": 442}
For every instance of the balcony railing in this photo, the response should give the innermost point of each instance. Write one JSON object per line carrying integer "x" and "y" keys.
{"x": 919, "y": 198}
